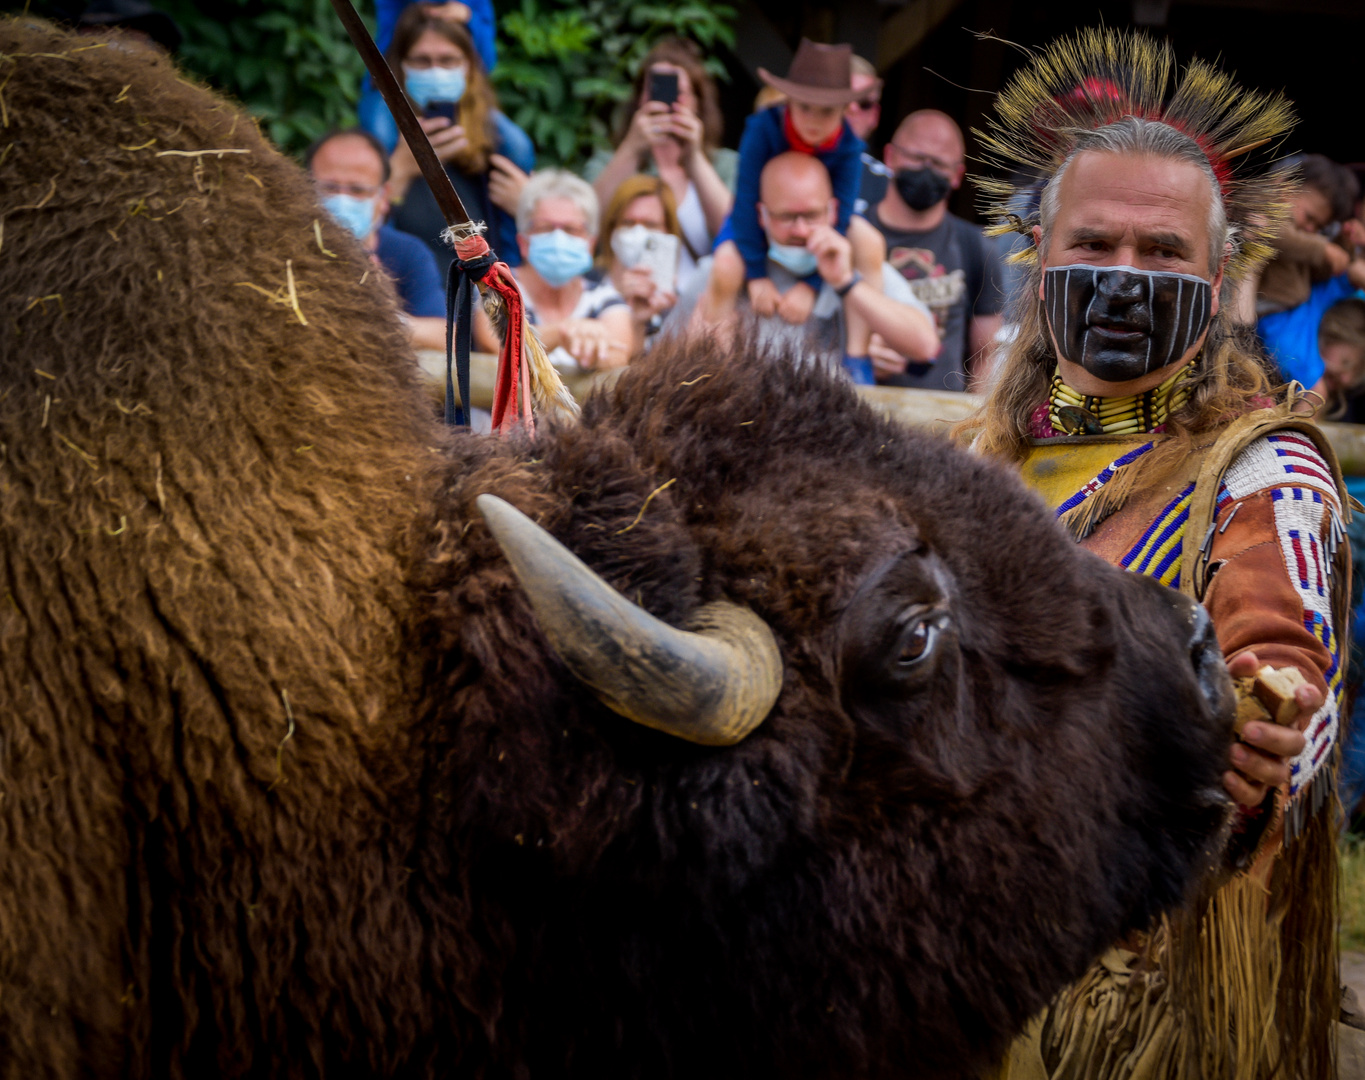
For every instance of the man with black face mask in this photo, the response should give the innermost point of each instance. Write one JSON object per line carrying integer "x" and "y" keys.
{"x": 1130, "y": 405}
{"x": 946, "y": 260}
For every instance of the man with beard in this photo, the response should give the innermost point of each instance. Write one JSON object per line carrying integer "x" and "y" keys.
{"x": 1133, "y": 410}
{"x": 946, "y": 260}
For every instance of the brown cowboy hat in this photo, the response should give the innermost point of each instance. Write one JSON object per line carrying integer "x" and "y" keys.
{"x": 819, "y": 75}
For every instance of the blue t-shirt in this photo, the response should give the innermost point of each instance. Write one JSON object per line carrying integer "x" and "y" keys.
{"x": 1291, "y": 337}
{"x": 413, "y": 268}
{"x": 764, "y": 138}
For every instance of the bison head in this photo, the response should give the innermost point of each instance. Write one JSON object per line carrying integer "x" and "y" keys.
{"x": 978, "y": 753}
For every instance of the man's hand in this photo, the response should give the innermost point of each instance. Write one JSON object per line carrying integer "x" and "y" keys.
{"x": 764, "y": 297}
{"x": 833, "y": 254}
{"x": 797, "y": 303}
{"x": 1260, "y": 760}
{"x": 885, "y": 360}
{"x": 505, "y": 182}
{"x": 1337, "y": 259}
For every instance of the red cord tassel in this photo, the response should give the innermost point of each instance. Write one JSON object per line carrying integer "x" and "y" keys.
{"x": 514, "y": 377}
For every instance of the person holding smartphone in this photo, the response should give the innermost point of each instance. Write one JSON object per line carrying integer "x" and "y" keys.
{"x": 639, "y": 247}
{"x": 449, "y": 90}
{"x": 674, "y": 133}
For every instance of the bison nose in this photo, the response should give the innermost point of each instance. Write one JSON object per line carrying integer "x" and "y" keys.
{"x": 1206, "y": 657}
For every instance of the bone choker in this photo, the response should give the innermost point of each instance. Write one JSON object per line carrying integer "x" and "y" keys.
{"x": 1083, "y": 414}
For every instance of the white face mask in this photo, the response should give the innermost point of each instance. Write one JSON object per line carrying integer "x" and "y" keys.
{"x": 628, "y": 243}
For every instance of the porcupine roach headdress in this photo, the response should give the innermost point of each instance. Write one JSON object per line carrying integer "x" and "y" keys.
{"x": 1097, "y": 77}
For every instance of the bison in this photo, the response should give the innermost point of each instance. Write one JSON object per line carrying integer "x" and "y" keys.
{"x": 775, "y": 740}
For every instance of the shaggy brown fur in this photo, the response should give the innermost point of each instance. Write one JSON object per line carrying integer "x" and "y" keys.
{"x": 290, "y": 784}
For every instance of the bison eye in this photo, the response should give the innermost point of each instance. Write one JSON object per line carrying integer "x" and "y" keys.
{"x": 920, "y": 628}
{"x": 918, "y": 641}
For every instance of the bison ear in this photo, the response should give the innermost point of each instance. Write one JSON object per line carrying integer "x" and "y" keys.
{"x": 712, "y": 684}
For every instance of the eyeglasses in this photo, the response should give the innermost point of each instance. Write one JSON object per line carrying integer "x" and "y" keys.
{"x": 536, "y": 228}
{"x": 426, "y": 63}
{"x": 917, "y": 160}
{"x": 866, "y": 104}
{"x": 791, "y": 217}
{"x": 356, "y": 191}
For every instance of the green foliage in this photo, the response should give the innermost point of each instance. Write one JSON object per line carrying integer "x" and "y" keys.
{"x": 565, "y": 66}
{"x": 288, "y": 61}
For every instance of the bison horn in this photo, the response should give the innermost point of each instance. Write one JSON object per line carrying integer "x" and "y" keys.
{"x": 713, "y": 684}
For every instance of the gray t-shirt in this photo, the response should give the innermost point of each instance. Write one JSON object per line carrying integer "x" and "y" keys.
{"x": 957, "y": 273}
{"x": 820, "y": 339}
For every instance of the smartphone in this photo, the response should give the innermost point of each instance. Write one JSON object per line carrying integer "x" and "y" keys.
{"x": 661, "y": 258}
{"x": 442, "y": 108}
{"x": 663, "y": 86}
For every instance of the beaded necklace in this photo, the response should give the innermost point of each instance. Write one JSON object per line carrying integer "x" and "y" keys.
{"x": 1075, "y": 413}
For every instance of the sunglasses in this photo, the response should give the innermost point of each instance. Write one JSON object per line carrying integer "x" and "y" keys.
{"x": 867, "y": 104}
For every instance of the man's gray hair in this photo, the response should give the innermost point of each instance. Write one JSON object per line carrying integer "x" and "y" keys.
{"x": 557, "y": 184}
{"x": 1156, "y": 139}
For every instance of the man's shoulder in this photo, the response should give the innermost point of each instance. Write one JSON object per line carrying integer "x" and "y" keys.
{"x": 1281, "y": 458}
{"x": 396, "y": 244}
{"x": 969, "y": 232}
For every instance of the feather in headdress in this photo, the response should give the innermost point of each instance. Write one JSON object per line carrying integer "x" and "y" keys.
{"x": 1097, "y": 77}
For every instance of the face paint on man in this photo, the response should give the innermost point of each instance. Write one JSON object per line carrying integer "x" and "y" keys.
{"x": 1120, "y": 323}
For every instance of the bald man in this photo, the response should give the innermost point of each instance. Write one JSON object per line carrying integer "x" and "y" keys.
{"x": 947, "y": 261}
{"x": 797, "y": 211}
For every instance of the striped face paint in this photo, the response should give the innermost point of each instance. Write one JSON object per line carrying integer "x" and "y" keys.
{"x": 1119, "y": 322}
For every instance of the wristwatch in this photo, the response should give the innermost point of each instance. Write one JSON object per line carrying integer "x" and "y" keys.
{"x": 843, "y": 290}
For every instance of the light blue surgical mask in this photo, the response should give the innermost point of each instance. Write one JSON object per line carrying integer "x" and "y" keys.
{"x": 794, "y": 257}
{"x": 558, "y": 257}
{"x": 434, "y": 84}
{"x": 356, "y": 214}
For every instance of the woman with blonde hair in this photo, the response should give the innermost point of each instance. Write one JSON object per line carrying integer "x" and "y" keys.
{"x": 485, "y": 155}
{"x": 640, "y": 248}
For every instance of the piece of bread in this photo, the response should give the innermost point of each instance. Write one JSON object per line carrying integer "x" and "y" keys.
{"x": 1268, "y": 695}
{"x": 1274, "y": 688}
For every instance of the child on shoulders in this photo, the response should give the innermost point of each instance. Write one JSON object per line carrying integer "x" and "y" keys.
{"x": 818, "y": 89}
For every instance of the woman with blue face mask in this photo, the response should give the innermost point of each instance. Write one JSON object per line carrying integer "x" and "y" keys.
{"x": 485, "y": 155}
{"x": 582, "y": 320}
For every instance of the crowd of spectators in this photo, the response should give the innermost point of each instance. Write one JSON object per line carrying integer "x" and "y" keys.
{"x": 800, "y": 228}
{"x": 1307, "y": 300}
{"x": 803, "y": 227}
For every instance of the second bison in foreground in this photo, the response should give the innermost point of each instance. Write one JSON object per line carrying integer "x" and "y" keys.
{"x": 297, "y": 781}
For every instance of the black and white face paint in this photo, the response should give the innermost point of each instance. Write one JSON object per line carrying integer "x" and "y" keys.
{"x": 1119, "y": 322}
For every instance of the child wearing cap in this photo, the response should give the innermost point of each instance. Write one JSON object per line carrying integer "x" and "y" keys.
{"x": 818, "y": 88}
